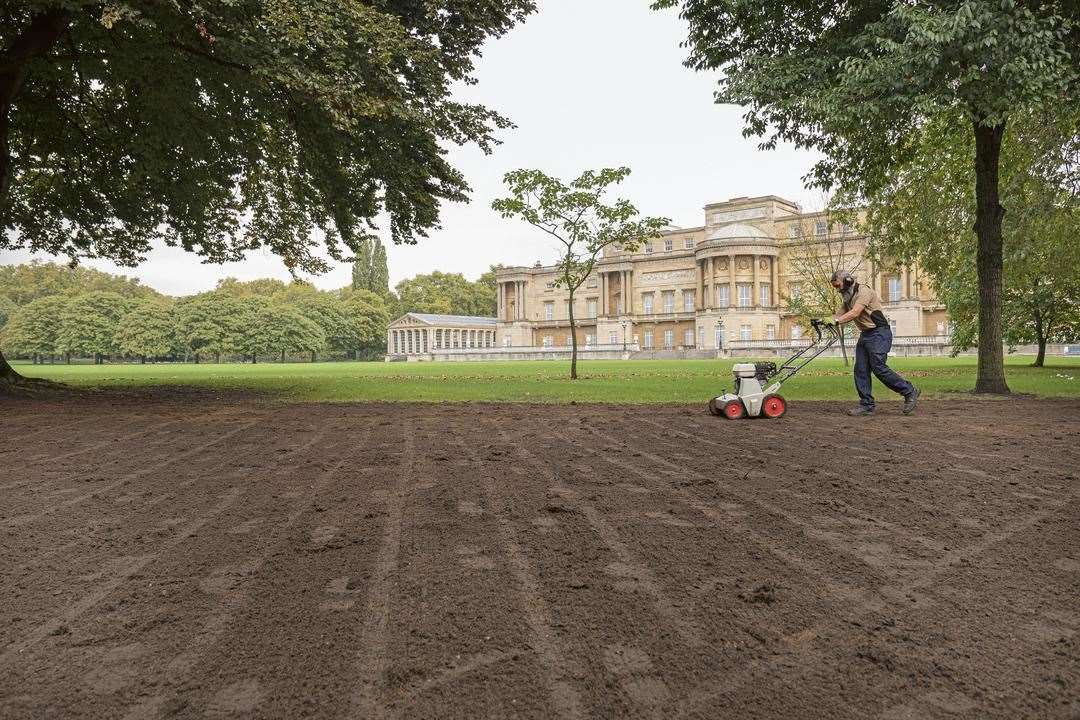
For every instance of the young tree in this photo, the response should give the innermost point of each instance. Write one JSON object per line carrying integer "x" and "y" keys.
{"x": 858, "y": 82}
{"x": 576, "y": 216}
{"x": 257, "y": 123}
{"x": 209, "y": 323}
{"x": 328, "y": 312}
{"x": 149, "y": 329}
{"x": 34, "y": 328}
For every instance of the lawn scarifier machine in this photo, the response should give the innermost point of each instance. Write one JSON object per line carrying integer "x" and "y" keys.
{"x": 757, "y": 384}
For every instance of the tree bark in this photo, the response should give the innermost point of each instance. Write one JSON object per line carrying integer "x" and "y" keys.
{"x": 8, "y": 376}
{"x": 988, "y": 220}
{"x": 312, "y": 356}
{"x": 254, "y": 358}
{"x": 283, "y": 356}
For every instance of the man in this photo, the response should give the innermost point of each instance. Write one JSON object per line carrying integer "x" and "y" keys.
{"x": 863, "y": 306}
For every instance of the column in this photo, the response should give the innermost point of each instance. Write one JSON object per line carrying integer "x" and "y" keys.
{"x": 709, "y": 300}
{"x": 732, "y": 299}
{"x": 774, "y": 274}
{"x": 905, "y": 286}
{"x": 755, "y": 296}
{"x": 524, "y": 310}
{"x": 499, "y": 302}
{"x": 623, "y": 281}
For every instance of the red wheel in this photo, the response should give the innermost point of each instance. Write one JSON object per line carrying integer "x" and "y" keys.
{"x": 773, "y": 406}
{"x": 734, "y": 410}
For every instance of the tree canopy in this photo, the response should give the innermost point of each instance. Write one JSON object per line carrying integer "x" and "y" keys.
{"x": 859, "y": 82}
{"x": 446, "y": 293}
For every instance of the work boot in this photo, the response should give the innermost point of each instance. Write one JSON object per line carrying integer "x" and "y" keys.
{"x": 911, "y": 400}
{"x": 861, "y": 410}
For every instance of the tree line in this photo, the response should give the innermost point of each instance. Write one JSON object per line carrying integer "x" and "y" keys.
{"x": 50, "y": 312}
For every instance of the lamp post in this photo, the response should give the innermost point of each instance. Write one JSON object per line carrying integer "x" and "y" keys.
{"x": 624, "y": 336}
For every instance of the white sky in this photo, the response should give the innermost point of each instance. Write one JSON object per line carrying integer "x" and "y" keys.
{"x": 589, "y": 84}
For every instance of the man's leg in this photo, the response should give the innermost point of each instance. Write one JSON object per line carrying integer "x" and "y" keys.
{"x": 862, "y": 374}
{"x": 878, "y": 351}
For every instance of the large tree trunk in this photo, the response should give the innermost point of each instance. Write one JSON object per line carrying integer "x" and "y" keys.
{"x": 988, "y": 220}
{"x": 573, "y": 339}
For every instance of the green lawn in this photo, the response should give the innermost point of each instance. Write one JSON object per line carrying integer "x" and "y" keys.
{"x": 636, "y": 381}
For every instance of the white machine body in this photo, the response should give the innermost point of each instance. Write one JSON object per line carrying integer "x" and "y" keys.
{"x": 748, "y": 389}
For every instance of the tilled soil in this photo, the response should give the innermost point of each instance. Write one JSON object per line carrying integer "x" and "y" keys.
{"x": 232, "y": 558}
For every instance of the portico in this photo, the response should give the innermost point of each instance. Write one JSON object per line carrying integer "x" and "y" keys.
{"x": 414, "y": 336}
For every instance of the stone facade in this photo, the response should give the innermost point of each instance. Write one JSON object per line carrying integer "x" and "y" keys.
{"x": 706, "y": 287}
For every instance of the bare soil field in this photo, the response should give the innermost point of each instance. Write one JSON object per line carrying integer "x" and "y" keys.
{"x": 216, "y": 557}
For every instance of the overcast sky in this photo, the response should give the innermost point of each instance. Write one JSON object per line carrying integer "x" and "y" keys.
{"x": 589, "y": 84}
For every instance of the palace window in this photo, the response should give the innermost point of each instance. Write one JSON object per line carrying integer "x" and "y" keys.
{"x": 795, "y": 290}
{"x": 745, "y": 299}
{"x": 941, "y": 328}
{"x": 766, "y": 295}
{"x": 688, "y": 337}
{"x": 648, "y": 248}
{"x": 723, "y": 296}
{"x": 648, "y": 339}
{"x": 549, "y": 341}
{"x": 549, "y": 311}
{"x": 669, "y": 301}
{"x": 894, "y": 289}
{"x": 794, "y": 231}
{"x": 796, "y": 332}
{"x": 688, "y": 243}
{"x": 590, "y": 339}
{"x": 688, "y": 300}
{"x": 770, "y": 332}
{"x": 744, "y": 332}
{"x": 646, "y": 303}
{"x": 669, "y": 338}
{"x": 613, "y": 338}
{"x": 821, "y": 227}
{"x": 669, "y": 244}
{"x": 590, "y": 308}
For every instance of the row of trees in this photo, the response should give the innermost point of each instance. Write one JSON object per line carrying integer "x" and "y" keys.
{"x": 214, "y": 324}
{"x": 49, "y": 311}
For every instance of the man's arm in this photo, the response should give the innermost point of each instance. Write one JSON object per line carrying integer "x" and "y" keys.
{"x": 849, "y": 315}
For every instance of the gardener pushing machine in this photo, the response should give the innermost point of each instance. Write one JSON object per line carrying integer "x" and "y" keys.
{"x": 863, "y": 306}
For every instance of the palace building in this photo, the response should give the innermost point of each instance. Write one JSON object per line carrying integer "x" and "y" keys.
{"x": 724, "y": 283}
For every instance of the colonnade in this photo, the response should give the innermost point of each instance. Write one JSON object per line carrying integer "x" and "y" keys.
{"x": 708, "y": 283}
{"x": 414, "y": 341}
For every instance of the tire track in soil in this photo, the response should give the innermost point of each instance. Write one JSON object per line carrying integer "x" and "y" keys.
{"x": 119, "y": 441}
{"x": 946, "y": 552}
{"x": 104, "y": 539}
{"x": 628, "y": 564}
{"x": 214, "y": 650}
{"x": 649, "y": 681}
{"x": 20, "y": 520}
{"x": 64, "y": 425}
{"x": 475, "y": 646}
{"x": 865, "y": 603}
{"x": 555, "y": 663}
{"x": 141, "y": 606}
{"x": 368, "y": 699}
{"x": 896, "y": 533}
{"x": 53, "y": 624}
